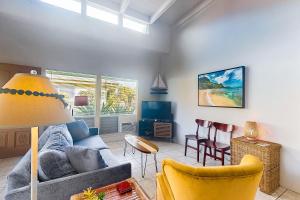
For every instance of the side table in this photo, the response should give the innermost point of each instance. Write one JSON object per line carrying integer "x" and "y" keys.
{"x": 267, "y": 152}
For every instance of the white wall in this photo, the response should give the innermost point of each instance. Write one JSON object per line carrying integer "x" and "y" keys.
{"x": 42, "y": 20}
{"x": 264, "y": 36}
{"x": 21, "y": 49}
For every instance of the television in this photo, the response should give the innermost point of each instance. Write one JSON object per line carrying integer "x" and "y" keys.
{"x": 224, "y": 88}
{"x": 156, "y": 110}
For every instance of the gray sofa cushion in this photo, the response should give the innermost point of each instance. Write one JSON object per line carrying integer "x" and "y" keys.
{"x": 109, "y": 158}
{"x": 79, "y": 130}
{"x": 20, "y": 175}
{"x": 56, "y": 141}
{"x": 84, "y": 159}
{"x": 92, "y": 142}
{"x": 54, "y": 164}
{"x": 53, "y": 129}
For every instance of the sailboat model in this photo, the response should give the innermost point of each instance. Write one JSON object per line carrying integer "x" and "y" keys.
{"x": 159, "y": 86}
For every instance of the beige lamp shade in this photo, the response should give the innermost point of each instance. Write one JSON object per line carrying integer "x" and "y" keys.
{"x": 31, "y": 101}
{"x": 251, "y": 130}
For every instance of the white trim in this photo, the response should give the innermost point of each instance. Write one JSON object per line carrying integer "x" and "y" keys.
{"x": 197, "y": 10}
{"x": 83, "y": 7}
{"x": 161, "y": 10}
{"x": 99, "y": 6}
{"x": 97, "y": 120}
{"x": 124, "y": 6}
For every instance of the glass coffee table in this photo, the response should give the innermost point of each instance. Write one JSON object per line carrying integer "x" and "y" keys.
{"x": 144, "y": 146}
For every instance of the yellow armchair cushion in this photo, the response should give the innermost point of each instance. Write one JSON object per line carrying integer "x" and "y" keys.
{"x": 184, "y": 182}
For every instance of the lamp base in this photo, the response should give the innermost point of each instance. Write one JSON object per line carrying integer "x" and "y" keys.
{"x": 34, "y": 162}
{"x": 251, "y": 140}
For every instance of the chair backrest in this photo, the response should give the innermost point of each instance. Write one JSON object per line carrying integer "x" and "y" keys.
{"x": 238, "y": 182}
{"x": 204, "y": 124}
{"x": 222, "y": 128}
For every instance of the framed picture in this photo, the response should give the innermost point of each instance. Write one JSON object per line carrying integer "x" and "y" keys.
{"x": 225, "y": 88}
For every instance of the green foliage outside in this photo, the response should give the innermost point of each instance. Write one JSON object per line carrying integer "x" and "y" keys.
{"x": 86, "y": 110}
{"x": 119, "y": 99}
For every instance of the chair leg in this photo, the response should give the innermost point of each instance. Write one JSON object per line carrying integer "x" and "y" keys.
{"x": 185, "y": 148}
{"x": 210, "y": 152}
{"x": 215, "y": 154}
{"x": 204, "y": 155}
{"x": 198, "y": 150}
{"x": 223, "y": 157}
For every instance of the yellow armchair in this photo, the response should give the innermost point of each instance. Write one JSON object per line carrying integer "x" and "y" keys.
{"x": 181, "y": 182}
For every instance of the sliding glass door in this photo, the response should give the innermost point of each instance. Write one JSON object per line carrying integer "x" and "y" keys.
{"x": 115, "y": 106}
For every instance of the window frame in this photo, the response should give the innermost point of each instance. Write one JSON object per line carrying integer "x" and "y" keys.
{"x": 135, "y": 20}
{"x": 51, "y": 3}
{"x": 104, "y": 9}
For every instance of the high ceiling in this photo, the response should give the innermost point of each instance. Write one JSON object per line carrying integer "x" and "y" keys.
{"x": 165, "y": 11}
{"x": 38, "y": 25}
{"x": 178, "y": 10}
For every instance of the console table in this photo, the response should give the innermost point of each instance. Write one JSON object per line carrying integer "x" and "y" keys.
{"x": 267, "y": 152}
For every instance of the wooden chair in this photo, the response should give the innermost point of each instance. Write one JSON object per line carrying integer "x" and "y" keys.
{"x": 218, "y": 146}
{"x": 199, "y": 140}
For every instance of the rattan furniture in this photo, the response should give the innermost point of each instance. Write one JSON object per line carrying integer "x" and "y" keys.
{"x": 111, "y": 192}
{"x": 162, "y": 130}
{"x": 267, "y": 152}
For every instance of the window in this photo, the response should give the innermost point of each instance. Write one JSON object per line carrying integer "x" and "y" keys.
{"x": 135, "y": 25}
{"x": 101, "y": 13}
{"x": 75, "y": 84}
{"x": 72, "y": 5}
{"x": 118, "y": 96}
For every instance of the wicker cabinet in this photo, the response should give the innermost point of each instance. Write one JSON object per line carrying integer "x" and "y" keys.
{"x": 267, "y": 152}
{"x": 162, "y": 129}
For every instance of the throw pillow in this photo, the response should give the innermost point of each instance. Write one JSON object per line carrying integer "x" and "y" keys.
{"x": 53, "y": 129}
{"x": 54, "y": 164}
{"x": 78, "y": 129}
{"x": 84, "y": 159}
{"x": 56, "y": 141}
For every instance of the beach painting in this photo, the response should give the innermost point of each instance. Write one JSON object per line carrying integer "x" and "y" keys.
{"x": 223, "y": 88}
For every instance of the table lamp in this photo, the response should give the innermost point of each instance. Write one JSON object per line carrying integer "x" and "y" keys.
{"x": 29, "y": 100}
{"x": 250, "y": 130}
{"x": 80, "y": 101}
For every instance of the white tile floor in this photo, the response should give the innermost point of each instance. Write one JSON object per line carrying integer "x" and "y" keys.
{"x": 167, "y": 149}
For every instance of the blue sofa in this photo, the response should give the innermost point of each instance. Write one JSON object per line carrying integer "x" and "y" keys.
{"x": 63, "y": 188}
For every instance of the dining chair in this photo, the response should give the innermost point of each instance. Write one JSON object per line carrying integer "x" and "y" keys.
{"x": 218, "y": 146}
{"x": 196, "y": 137}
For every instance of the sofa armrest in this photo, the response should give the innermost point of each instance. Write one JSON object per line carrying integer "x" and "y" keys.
{"x": 94, "y": 131}
{"x": 64, "y": 188}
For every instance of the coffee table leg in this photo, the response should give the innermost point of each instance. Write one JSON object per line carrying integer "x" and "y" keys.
{"x": 155, "y": 162}
{"x": 125, "y": 147}
{"x": 143, "y": 168}
{"x": 142, "y": 165}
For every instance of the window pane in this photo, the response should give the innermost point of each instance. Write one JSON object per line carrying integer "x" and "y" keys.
{"x": 135, "y": 25}
{"x": 118, "y": 96}
{"x": 75, "y": 84}
{"x": 71, "y": 5}
{"x": 102, "y": 14}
